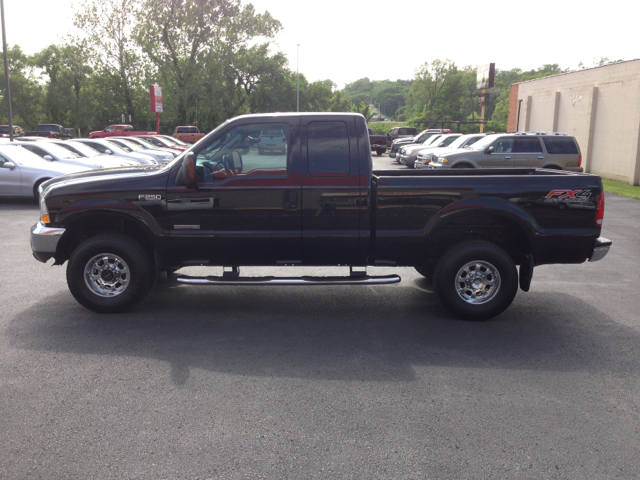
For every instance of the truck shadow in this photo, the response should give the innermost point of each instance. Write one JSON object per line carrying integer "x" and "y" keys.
{"x": 348, "y": 333}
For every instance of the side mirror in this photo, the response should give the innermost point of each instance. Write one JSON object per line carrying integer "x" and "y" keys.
{"x": 490, "y": 149}
{"x": 9, "y": 165}
{"x": 108, "y": 152}
{"x": 48, "y": 158}
{"x": 187, "y": 173}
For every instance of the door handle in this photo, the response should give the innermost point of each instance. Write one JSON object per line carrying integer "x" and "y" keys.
{"x": 540, "y": 158}
{"x": 290, "y": 199}
{"x": 507, "y": 158}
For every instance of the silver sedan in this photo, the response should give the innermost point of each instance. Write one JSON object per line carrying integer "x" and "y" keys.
{"x": 21, "y": 172}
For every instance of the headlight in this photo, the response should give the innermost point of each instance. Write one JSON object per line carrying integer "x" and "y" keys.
{"x": 44, "y": 211}
{"x": 443, "y": 160}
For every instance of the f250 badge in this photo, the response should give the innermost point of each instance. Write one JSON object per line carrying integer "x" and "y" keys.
{"x": 149, "y": 198}
{"x": 568, "y": 196}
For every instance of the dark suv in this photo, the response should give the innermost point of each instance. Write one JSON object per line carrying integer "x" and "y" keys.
{"x": 400, "y": 132}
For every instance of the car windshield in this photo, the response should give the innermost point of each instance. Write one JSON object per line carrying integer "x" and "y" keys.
{"x": 129, "y": 144}
{"x": 431, "y": 140}
{"x": 58, "y": 151}
{"x": 138, "y": 143}
{"x": 484, "y": 143}
{"x": 123, "y": 146}
{"x": 152, "y": 142}
{"x": 173, "y": 140}
{"x": 457, "y": 143}
{"x": 81, "y": 148}
{"x": 115, "y": 148}
{"x": 20, "y": 155}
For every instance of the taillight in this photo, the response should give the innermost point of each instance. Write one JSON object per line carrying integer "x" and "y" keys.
{"x": 600, "y": 210}
{"x": 580, "y": 161}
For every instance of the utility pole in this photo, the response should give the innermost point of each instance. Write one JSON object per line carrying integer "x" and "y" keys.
{"x": 298, "y": 79}
{"x": 6, "y": 72}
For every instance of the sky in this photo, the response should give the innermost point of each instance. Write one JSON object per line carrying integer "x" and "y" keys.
{"x": 344, "y": 41}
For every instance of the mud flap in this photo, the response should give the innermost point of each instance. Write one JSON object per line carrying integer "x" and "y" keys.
{"x": 526, "y": 273}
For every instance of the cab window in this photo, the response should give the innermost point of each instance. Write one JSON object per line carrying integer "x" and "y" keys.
{"x": 244, "y": 151}
{"x": 328, "y": 149}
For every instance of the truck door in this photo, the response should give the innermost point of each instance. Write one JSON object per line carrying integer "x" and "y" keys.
{"x": 246, "y": 209}
{"x": 331, "y": 191}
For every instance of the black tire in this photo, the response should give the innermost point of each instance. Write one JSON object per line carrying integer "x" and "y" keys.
{"x": 36, "y": 195}
{"x": 133, "y": 277}
{"x": 497, "y": 286}
{"x": 379, "y": 152}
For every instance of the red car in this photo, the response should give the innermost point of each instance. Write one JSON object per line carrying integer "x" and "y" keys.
{"x": 118, "y": 130}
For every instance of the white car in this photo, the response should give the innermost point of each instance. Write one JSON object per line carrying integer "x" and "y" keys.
{"x": 109, "y": 161}
{"x": 22, "y": 172}
{"x": 55, "y": 153}
{"x": 103, "y": 146}
{"x": 145, "y": 145}
{"x": 426, "y": 154}
{"x": 125, "y": 144}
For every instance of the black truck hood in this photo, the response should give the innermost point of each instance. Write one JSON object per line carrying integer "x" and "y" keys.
{"x": 103, "y": 177}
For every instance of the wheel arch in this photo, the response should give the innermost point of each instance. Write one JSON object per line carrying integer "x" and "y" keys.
{"x": 83, "y": 226}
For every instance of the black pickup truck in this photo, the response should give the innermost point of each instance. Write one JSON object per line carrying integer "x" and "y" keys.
{"x": 316, "y": 203}
{"x": 50, "y": 130}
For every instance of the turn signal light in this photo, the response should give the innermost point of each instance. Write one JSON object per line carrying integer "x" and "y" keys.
{"x": 45, "y": 219}
{"x": 580, "y": 161}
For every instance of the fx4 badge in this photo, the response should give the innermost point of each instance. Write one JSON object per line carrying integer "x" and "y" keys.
{"x": 149, "y": 197}
{"x": 568, "y": 196}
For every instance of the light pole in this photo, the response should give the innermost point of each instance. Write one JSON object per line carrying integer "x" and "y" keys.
{"x": 6, "y": 72}
{"x": 298, "y": 78}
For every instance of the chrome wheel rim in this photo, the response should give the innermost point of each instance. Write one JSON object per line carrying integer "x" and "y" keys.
{"x": 477, "y": 282}
{"x": 106, "y": 275}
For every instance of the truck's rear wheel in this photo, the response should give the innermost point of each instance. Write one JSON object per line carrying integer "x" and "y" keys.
{"x": 109, "y": 273}
{"x": 476, "y": 280}
{"x": 379, "y": 151}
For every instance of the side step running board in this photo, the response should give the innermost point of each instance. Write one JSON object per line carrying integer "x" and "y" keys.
{"x": 351, "y": 280}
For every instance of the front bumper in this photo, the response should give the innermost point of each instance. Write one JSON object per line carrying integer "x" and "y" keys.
{"x": 44, "y": 241}
{"x": 437, "y": 165}
{"x": 600, "y": 249}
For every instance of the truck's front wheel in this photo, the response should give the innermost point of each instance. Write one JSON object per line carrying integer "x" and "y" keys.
{"x": 476, "y": 280}
{"x": 109, "y": 273}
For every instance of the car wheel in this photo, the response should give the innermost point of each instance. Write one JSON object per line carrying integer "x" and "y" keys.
{"x": 379, "y": 151}
{"x": 36, "y": 195}
{"x": 109, "y": 273}
{"x": 476, "y": 280}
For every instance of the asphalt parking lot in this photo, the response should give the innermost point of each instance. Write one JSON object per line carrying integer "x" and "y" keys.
{"x": 322, "y": 382}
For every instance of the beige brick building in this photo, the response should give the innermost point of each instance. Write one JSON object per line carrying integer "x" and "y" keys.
{"x": 599, "y": 106}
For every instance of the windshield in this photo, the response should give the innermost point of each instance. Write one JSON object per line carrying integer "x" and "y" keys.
{"x": 138, "y": 143}
{"x": 115, "y": 148}
{"x": 483, "y": 143}
{"x": 457, "y": 143}
{"x": 20, "y": 155}
{"x": 124, "y": 146}
{"x": 173, "y": 140}
{"x": 149, "y": 143}
{"x": 81, "y": 148}
{"x": 432, "y": 140}
{"x": 58, "y": 151}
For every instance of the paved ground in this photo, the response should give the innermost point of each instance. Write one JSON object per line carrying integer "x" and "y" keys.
{"x": 350, "y": 382}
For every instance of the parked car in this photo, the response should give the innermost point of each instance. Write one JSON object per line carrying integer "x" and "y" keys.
{"x": 174, "y": 140}
{"x": 103, "y": 146}
{"x": 161, "y": 141}
{"x": 407, "y": 155}
{"x": 400, "y": 132}
{"x": 378, "y": 142}
{"x": 84, "y": 150}
{"x": 50, "y": 130}
{"x": 17, "y": 131}
{"x": 322, "y": 205}
{"x": 118, "y": 130}
{"x": 159, "y": 155}
{"x": 424, "y": 156}
{"x": 427, "y": 143}
{"x": 55, "y": 153}
{"x": 531, "y": 149}
{"x": 420, "y": 138}
{"x": 272, "y": 140}
{"x": 22, "y": 172}
{"x": 187, "y": 133}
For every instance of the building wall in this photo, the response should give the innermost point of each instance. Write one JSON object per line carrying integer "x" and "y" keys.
{"x": 599, "y": 106}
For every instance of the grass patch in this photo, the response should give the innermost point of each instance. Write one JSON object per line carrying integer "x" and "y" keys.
{"x": 621, "y": 188}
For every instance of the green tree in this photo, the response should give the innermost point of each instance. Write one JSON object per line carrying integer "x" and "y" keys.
{"x": 26, "y": 91}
